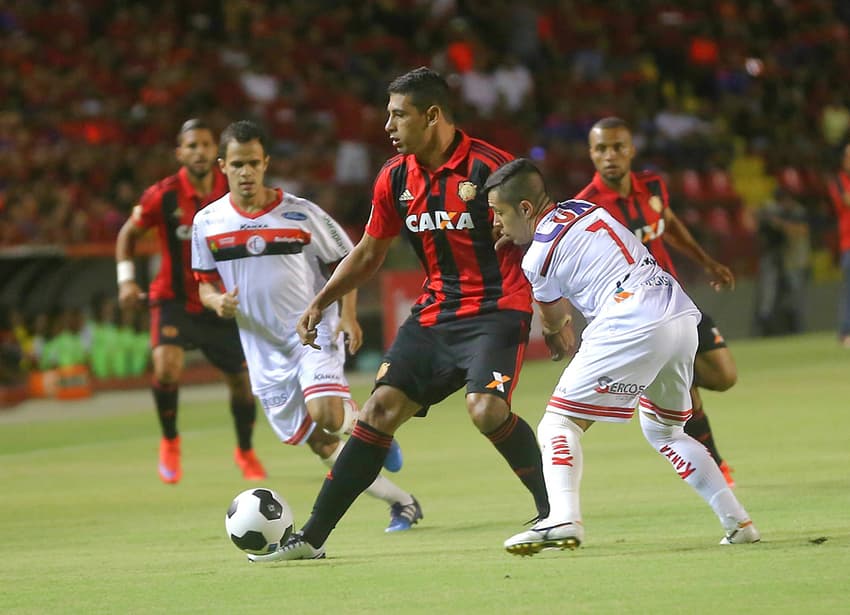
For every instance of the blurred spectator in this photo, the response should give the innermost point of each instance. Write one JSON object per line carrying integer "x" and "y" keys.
{"x": 784, "y": 262}
{"x": 839, "y": 192}
{"x": 89, "y": 89}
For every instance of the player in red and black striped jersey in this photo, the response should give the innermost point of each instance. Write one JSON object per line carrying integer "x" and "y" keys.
{"x": 178, "y": 320}
{"x": 470, "y": 325}
{"x": 639, "y": 200}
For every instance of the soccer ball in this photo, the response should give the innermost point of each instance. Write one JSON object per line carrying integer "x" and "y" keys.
{"x": 258, "y": 521}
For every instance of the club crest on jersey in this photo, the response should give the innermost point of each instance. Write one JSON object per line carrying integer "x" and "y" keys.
{"x": 656, "y": 203}
{"x": 255, "y": 245}
{"x": 467, "y": 191}
{"x": 442, "y": 220}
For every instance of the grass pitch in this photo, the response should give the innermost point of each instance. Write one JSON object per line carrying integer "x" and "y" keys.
{"x": 86, "y": 526}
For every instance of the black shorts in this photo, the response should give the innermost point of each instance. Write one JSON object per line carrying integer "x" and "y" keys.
{"x": 482, "y": 352}
{"x": 710, "y": 337}
{"x": 217, "y": 338}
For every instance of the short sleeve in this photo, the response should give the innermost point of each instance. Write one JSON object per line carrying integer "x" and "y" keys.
{"x": 329, "y": 239}
{"x": 202, "y": 256}
{"x": 384, "y": 221}
{"x": 148, "y": 213}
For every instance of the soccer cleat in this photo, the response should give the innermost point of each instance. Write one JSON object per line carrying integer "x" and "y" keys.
{"x": 727, "y": 474}
{"x": 561, "y": 536}
{"x": 169, "y": 460}
{"x": 295, "y": 547}
{"x": 394, "y": 460}
{"x": 251, "y": 467}
{"x": 404, "y": 516}
{"x": 745, "y": 533}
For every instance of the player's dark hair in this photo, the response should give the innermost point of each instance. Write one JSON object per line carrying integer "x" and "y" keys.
{"x": 192, "y": 124}
{"x": 610, "y": 122}
{"x": 425, "y": 88}
{"x": 242, "y": 131}
{"x": 516, "y": 181}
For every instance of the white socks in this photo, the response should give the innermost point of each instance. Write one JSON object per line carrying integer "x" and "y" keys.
{"x": 693, "y": 463}
{"x": 560, "y": 448}
{"x": 382, "y": 487}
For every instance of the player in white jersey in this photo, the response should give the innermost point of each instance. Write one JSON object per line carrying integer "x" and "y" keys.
{"x": 260, "y": 256}
{"x": 637, "y": 349}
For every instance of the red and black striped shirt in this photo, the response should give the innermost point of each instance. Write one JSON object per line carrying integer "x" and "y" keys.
{"x": 642, "y": 212}
{"x": 446, "y": 219}
{"x": 839, "y": 193}
{"x": 169, "y": 206}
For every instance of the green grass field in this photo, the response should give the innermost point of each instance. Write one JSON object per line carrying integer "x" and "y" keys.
{"x": 86, "y": 526}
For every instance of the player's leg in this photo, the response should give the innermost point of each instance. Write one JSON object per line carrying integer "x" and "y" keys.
{"x": 218, "y": 339}
{"x": 321, "y": 374}
{"x": 359, "y": 462}
{"x": 663, "y": 411}
{"x": 167, "y": 360}
{"x": 491, "y": 349}
{"x": 601, "y": 383}
{"x": 715, "y": 370}
{"x": 404, "y": 508}
{"x": 404, "y": 386}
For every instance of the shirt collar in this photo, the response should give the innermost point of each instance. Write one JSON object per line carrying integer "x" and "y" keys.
{"x": 460, "y": 155}
{"x": 599, "y": 184}
{"x": 219, "y": 185}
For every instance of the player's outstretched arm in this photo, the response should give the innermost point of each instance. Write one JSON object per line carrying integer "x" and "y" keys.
{"x": 680, "y": 238}
{"x": 360, "y": 265}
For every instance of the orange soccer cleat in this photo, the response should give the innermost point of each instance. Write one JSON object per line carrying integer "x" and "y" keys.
{"x": 169, "y": 460}
{"x": 251, "y": 467}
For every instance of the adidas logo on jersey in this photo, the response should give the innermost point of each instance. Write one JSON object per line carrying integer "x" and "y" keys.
{"x": 442, "y": 220}
{"x": 407, "y": 195}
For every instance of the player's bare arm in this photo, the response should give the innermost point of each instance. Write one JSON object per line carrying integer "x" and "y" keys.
{"x": 352, "y": 271}
{"x": 348, "y": 323}
{"x": 129, "y": 292}
{"x": 679, "y": 237}
{"x": 224, "y": 304}
{"x": 556, "y": 319}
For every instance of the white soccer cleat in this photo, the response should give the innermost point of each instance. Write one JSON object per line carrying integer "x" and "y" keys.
{"x": 294, "y": 548}
{"x": 568, "y": 535}
{"x": 745, "y": 533}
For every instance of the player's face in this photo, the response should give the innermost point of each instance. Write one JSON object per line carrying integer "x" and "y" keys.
{"x": 509, "y": 220}
{"x": 407, "y": 127}
{"x": 245, "y": 165}
{"x": 197, "y": 151}
{"x": 611, "y": 151}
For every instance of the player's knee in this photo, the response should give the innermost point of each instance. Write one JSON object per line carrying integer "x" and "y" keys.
{"x": 658, "y": 434}
{"x": 381, "y": 414}
{"x": 487, "y": 412}
{"x": 240, "y": 387}
{"x": 719, "y": 375}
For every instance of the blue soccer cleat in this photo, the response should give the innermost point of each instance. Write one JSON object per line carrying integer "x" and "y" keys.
{"x": 394, "y": 460}
{"x": 404, "y": 516}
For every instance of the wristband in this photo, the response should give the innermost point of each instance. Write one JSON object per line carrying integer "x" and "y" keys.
{"x": 126, "y": 271}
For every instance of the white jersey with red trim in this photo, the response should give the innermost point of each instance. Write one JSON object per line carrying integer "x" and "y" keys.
{"x": 584, "y": 254}
{"x": 279, "y": 259}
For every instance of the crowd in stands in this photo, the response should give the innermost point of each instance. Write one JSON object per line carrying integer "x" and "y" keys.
{"x": 728, "y": 99}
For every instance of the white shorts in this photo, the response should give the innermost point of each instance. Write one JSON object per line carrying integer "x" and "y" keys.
{"x": 610, "y": 374}
{"x": 311, "y": 373}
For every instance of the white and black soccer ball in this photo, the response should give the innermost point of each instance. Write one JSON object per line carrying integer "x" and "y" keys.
{"x": 258, "y": 521}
